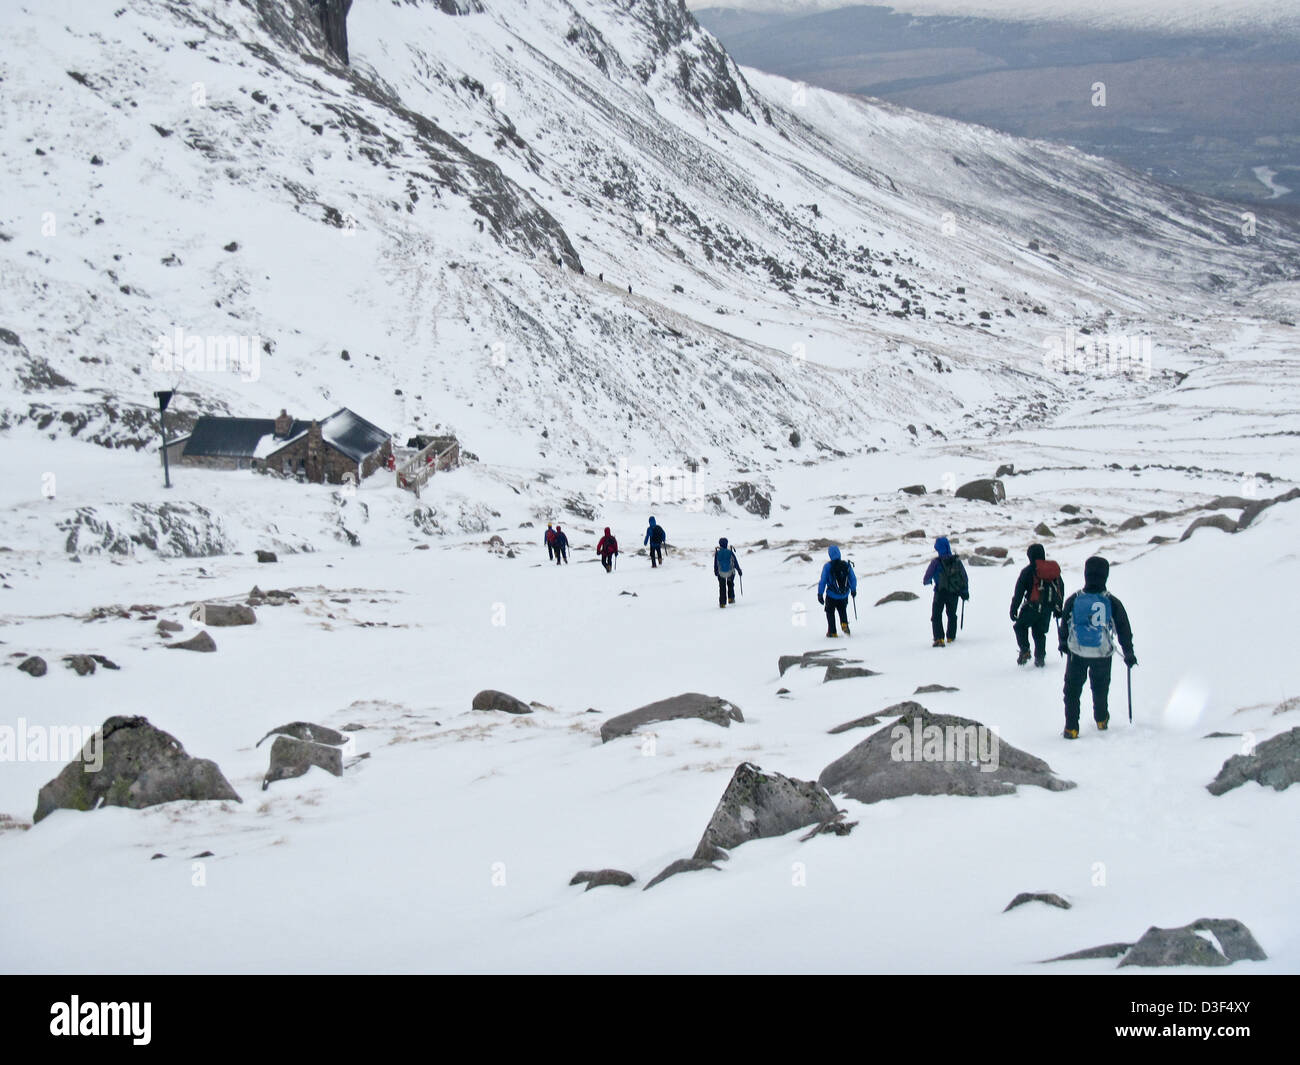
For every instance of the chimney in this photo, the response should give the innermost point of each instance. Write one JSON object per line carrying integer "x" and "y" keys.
{"x": 283, "y": 424}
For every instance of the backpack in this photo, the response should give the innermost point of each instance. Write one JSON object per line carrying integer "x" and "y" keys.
{"x": 657, "y": 535}
{"x": 839, "y": 582}
{"x": 1091, "y": 624}
{"x": 952, "y": 580}
{"x": 1047, "y": 590}
{"x": 550, "y": 536}
{"x": 726, "y": 561}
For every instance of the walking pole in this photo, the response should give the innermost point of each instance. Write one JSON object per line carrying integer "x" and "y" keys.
{"x": 1130, "y": 693}
{"x": 963, "y": 615}
{"x": 855, "y": 606}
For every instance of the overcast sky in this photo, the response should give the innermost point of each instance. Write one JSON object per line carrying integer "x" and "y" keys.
{"x": 1179, "y": 13}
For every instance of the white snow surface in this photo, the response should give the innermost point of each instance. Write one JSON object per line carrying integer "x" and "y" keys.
{"x": 451, "y": 847}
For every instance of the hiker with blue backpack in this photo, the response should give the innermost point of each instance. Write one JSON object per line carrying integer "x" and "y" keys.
{"x": 948, "y": 575}
{"x": 1037, "y": 599}
{"x": 1091, "y": 621}
{"x": 726, "y": 567}
{"x": 655, "y": 537}
{"x": 838, "y": 582}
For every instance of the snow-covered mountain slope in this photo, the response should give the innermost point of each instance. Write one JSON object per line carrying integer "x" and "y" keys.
{"x": 443, "y": 211}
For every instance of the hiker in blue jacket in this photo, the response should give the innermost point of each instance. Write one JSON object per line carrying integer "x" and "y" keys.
{"x": 833, "y": 590}
{"x": 726, "y": 567}
{"x": 655, "y": 537}
{"x": 948, "y": 575}
{"x": 1090, "y": 622}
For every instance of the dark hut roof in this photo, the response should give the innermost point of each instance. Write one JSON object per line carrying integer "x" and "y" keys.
{"x": 346, "y": 432}
{"x": 214, "y": 437}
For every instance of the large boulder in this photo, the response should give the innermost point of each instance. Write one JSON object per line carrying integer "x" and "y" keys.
{"x": 757, "y": 805}
{"x": 1212, "y": 942}
{"x": 1275, "y": 764}
{"x": 221, "y": 615}
{"x": 935, "y": 754}
{"x": 491, "y": 699}
{"x": 692, "y": 704}
{"x": 292, "y": 758}
{"x": 308, "y": 733}
{"x": 202, "y": 642}
{"x": 34, "y": 666}
{"x": 986, "y": 490}
{"x": 141, "y": 766}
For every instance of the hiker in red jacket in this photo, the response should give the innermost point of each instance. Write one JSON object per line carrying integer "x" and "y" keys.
{"x": 607, "y": 549}
{"x": 550, "y": 541}
{"x": 1039, "y": 597}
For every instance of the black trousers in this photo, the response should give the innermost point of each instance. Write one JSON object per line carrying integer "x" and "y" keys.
{"x": 656, "y": 554}
{"x": 550, "y": 551}
{"x": 944, "y": 601}
{"x": 1033, "y": 619}
{"x": 561, "y": 554}
{"x": 607, "y": 562}
{"x": 833, "y": 605}
{"x": 726, "y": 590}
{"x": 1097, "y": 672}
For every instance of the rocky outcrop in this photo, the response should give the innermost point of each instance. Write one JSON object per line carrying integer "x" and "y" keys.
{"x": 935, "y": 754}
{"x": 308, "y": 733}
{"x": 603, "y": 878}
{"x": 131, "y": 763}
{"x": 682, "y": 865}
{"x": 1214, "y": 521}
{"x": 897, "y": 597}
{"x": 220, "y": 615}
{"x": 203, "y": 643}
{"x": 491, "y": 699}
{"x": 692, "y": 704}
{"x": 293, "y": 757}
{"x": 1275, "y": 764}
{"x": 1209, "y": 942}
{"x": 986, "y": 490}
{"x": 1037, "y": 896}
{"x": 758, "y": 805}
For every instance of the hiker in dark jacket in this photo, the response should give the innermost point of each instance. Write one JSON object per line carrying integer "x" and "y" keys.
{"x": 726, "y": 567}
{"x": 1037, "y": 599}
{"x": 948, "y": 575}
{"x": 561, "y": 546}
{"x": 550, "y": 540}
{"x": 1091, "y": 620}
{"x": 607, "y": 549}
{"x": 838, "y": 582}
{"x": 655, "y": 537}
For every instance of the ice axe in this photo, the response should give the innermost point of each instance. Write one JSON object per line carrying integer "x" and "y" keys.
{"x": 1130, "y": 692}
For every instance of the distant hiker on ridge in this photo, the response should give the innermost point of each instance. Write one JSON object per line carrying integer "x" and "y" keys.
{"x": 550, "y": 540}
{"x": 1038, "y": 598}
{"x": 726, "y": 567}
{"x": 607, "y": 549}
{"x": 837, "y": 583}
{"x": 561, "y": 545}
{"x": 948, "y": 576}
{"x": 655, "y": 537}
{"x": 1091, "y": 620}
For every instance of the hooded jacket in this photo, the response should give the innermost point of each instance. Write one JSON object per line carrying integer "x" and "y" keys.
{"x": 724, "y": 559}
{"x": 825, "y": 586}
{"x": 608, "y": 545}
{"x": 654, "y": 534}
{"x": 1096, "y": 571}
{"x": 943, "y": 550}
{"x": 1025, "y": 582}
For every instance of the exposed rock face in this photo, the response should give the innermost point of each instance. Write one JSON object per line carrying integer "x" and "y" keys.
{"x": 682, "y": 865}
{"x": 219, "y": 615}
{"x": 34, "y": 666}
{"x": 914, "y": 489}
{"x": 202, "y": 642}
{"x": 1227, "y": 941}
{"x": 1210, "y": 521}
{"x": 897, "y": 597}
{"x": 603, "y": 878}
{"x": 172, "y": 530}
{"x": 490, "y": 699}
{"x": 751, "y": 498}
{"x": 307, "y": 732}
{"x": 692, "y": 704}
{"x": 986, "y": 490}
{"x": 757, "y": 805}
{"x": 1275, "y": 763}
{"x": 141, "y": 766}
{"x": 333, "y": 15}
{"x": 934, "y": 754}
{"x": 1255, "y": 509}
{"x": 1038, "y": 896}
{"x": 292, "y": 758}
{"x": 836, "y": 672}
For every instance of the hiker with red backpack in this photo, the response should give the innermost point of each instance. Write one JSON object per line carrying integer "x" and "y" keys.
{"x": 838, "y": 582}
{"x": 948, "y": 575}
{"x": 607, "y": 549}
{"x": 1039, "y": 596}
{"x": 1091, "y": 621}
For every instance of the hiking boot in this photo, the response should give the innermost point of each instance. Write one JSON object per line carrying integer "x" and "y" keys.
{"x": 732, "y": 601}
{"x": 831, "y": 635}
{"x": 722, "y": 606}
{"x": 1103, "y": 725}
{"x": 844, "y": 628}
{"x": 938, "y": 642}
{"x": 1041, "y": 663}
{"x": 1071, "y": 734}
{"x": 1022, "y": 658}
